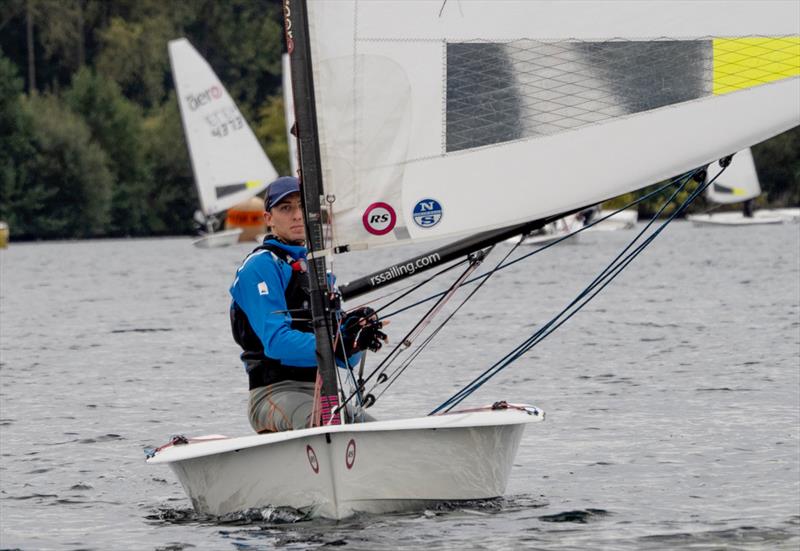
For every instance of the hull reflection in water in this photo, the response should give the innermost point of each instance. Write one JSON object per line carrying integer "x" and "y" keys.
{"x": 336, "y": 471}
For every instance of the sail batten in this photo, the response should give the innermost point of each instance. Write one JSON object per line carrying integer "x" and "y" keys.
{"x": 449, "y": 120}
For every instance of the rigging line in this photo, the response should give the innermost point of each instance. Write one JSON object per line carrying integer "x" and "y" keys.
{"x": 425, "y": 320}
{"x": 411, "y": 288}
{"x": 672, "y": 182}
{"x": 396, "y": 351}
{"x": 340, "y": 338}
{"x": 527, "y": 344}
{"x": 414, "y": 287}
{"x": 402, "y": 367}
{"x": 514, "y": 354}
{"x": 544, "y": 332}
{"x": 394, "y": 376}
{"x": 549, "y": 328}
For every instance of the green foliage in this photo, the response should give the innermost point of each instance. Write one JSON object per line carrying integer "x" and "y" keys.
{"x": 271, "y": 132}
{"x": 60, "y": 32}
{"x": 241, "y": 40}
{"x": 778, "y": 166}
{"x": 116, "y": 125}
{"x": 173, "y": 193}
{"x": 16, "y": 146}
{"x": 652, "y": 205}
{"x": 133, "y": 54}
{"x": 67, "y": 188}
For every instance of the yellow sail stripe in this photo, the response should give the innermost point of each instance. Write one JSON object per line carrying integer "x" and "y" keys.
{"x": 741, "y": 63}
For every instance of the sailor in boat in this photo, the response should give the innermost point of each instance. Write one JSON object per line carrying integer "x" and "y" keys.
{"x": 271, "y": 319}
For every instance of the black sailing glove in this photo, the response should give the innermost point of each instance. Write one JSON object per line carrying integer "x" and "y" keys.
{"x": 361, "y": 330}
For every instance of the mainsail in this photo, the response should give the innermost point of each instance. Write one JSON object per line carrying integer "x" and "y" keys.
{"x": 228, "y": 162}
{"x": 739, "y": 182}
{"x": 447, "y": 118}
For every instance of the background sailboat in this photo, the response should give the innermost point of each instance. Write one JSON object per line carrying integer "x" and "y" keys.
{"x": 611, "y": 220}
{"x": 228, "y": 162}
{"x": 551, "y": 233}
{"x": 739, "y": 184}
{"x": 423, "y": 120}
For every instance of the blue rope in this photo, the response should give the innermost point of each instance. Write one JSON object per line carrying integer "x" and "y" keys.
{"x": 614, "y": 268}
{"x": 672, "y": 182}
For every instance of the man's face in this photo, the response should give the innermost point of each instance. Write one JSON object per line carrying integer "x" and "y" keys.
{"x": 286, "y": 219}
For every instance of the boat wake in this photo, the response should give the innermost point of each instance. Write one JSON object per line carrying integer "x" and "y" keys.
{"x": 289, "y": 515}
{"x": 581, "y": 516}
{"x": 266, "y": 515}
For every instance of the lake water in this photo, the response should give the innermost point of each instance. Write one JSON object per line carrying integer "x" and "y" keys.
{"x": 672, "y": 400}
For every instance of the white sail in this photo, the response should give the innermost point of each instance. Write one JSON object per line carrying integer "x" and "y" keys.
{"x": 738, "y": 183}
{"x": 444, "y": 118}
{"x": 288, "y": 110}
{"x": 228, "y": 162}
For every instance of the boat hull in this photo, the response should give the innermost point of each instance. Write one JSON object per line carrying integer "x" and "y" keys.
{"x": 624, "y": 220}
{"x": 787, "y": 214}
{"x": 376, "y": 467}
{"x": 223, "y": 238}
{"x": 732, "y": 219}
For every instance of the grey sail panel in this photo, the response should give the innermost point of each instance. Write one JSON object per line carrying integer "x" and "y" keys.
{"x": 525, "y": 88}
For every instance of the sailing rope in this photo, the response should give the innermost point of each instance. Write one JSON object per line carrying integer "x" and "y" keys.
{"x": 382, "y": 377}
{"x": 399, "y": 370}
{"x": 641, "y": 199}
{"x": 404, "y": 344}
{"x": 595, "y": 287}
{"x": 614, "y": 268}
{"x": 476, "y": 259}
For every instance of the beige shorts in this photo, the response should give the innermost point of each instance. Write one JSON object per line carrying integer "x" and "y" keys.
{"x": 285, "y": 405}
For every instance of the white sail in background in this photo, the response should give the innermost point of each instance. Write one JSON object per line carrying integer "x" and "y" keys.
{"x": 444, "y": 118}
{"x": 288, "y": 109}
{"x": 229, "y": 163}
{"x": 738, "y": 183}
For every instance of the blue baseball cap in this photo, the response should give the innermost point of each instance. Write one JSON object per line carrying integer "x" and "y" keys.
{"x": 279, "y": 189}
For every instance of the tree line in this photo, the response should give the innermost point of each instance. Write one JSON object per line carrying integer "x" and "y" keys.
{"x": 91, "y": 142}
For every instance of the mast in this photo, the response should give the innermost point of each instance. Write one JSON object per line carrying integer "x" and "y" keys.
{"x": 298, "y": 46}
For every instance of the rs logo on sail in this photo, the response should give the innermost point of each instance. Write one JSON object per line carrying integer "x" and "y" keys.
{"x": 379, "y": 218}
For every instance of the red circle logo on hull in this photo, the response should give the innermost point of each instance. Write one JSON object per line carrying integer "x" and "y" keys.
{"x": 350, "y": 454}
{"x": 312, "y": 459}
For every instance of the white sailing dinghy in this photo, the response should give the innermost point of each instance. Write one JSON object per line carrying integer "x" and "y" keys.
{"x": 228, "y": 162}
{"x": 789, "y": 214}
{"x": 615, "y": 221}
{"x": 421, "y": 120}
{"x": 552, "y": 232}
{"x": 739, "y": 184}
